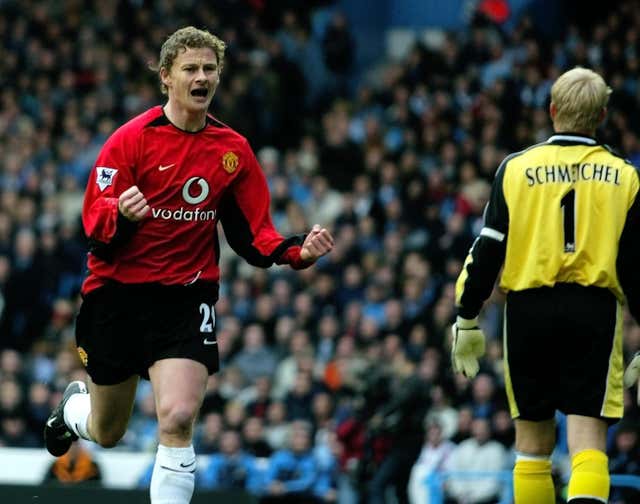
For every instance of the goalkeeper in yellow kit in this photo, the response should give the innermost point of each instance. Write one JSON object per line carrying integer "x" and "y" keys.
{"x": 564, "y": 221}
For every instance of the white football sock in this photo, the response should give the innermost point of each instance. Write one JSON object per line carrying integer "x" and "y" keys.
{"x": 173, "y": 476}
{"x": 76, "y": 414}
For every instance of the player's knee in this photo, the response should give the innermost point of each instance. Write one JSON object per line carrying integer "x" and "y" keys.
{"x": 539, "y": 446}
{"x": 106, "y": 432}
{"x": 108, "y": 438}
{"x": 535, "y": 449}
{"x": 177, "y": 421}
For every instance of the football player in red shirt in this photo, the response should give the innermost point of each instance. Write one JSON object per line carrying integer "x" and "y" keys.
{"x": 160, "y": 185}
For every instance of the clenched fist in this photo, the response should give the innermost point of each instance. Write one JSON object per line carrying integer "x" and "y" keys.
{"x": 132, "y": 204}
{"x": 318, "y": 243}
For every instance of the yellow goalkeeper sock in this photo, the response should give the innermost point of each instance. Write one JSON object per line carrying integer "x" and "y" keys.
{"x": 532, "y": 483}
{"x": 589, "y": 477}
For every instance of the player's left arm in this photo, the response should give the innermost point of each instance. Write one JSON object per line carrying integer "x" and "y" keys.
{"x": 480, "y": 270}
{"x": 244, "y": 213}
{"x": 476, "y": 281}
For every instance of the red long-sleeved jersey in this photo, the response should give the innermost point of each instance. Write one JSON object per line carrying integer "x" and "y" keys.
{"x": 191, "y": 181}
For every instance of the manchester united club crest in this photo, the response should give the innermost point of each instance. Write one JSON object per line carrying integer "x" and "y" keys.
{"x": 230, "y": 162}
{"x": 83, "y": 356}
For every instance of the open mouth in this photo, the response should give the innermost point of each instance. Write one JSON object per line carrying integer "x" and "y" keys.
{"x": 200, "y": 92}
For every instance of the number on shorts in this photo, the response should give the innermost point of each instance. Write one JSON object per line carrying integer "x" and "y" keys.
{"x": 208, "y": 318}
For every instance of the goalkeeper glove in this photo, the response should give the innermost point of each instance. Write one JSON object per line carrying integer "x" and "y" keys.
{"x": 467, "y": 347}
{"x": 632, "y": 373}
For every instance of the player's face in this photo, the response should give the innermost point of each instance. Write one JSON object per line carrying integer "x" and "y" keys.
{"x": 192, "y": 79}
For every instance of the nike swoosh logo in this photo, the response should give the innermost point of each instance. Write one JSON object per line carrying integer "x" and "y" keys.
{"x": 207, "y": 342}
{"x": 187, "y": 465}
{"x": 163, "y": 168}
{"x": 175, "y": 470}
{"x": 50, "y": 422}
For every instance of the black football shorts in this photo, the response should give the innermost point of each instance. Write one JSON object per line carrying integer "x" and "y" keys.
{"x": 563, "y": 350}
{"x": 122, "y": 329}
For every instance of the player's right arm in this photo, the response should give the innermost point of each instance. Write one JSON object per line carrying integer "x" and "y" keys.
{"x": 629, "y": 251}
{"x": 629, "y": 274}
{"x": 480, "y": 270}
{"x": 112, "y": 204}
{"x": 476, "y": 281}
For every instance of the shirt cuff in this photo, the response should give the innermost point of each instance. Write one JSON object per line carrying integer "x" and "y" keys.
{"x": 292, "y": 257}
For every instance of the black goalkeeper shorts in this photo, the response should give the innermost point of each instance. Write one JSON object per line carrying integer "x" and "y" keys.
{"x": 122, "y": 329}
{"x": 563, "y": 350}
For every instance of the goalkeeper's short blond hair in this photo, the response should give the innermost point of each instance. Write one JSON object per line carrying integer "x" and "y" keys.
{"x": 185, "y": 38}
{"x": 580, "y": 95}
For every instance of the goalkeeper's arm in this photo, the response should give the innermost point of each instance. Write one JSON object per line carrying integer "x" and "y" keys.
{"x": 476, "y": 281}
{"x": 486, "y": 256}
{"x": 629, "y": 276}
{"x": 627, "y": 260}
{"x": 473, "y": 287}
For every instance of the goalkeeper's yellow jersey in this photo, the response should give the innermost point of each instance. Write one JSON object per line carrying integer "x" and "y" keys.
{"x": 557, "y": 214}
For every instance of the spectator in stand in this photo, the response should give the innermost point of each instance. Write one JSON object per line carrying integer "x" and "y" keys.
{"x": 260, "y": 402}
{"x": 299, "y": 349}
{"x": 213, "y": 400}
{"x": 277, "y": 429}
{"x": 465, "y": 423}
{"x": 442, "y": 413}
{"x": 12, "y": 366}
{"x": 207, "y": 436}
{"x": 339, "y": 151}
{"x": 23, "y": 317}
{"x": 400, "y": 417}
{"x": 323, "y": 414}
{"x": 482, "y": 392}
{"x": 434, "y": 456}
{"x": 339, "y": 51}
{"x": 503, "y": 429}
{"x": 14, "y": 431}
{"x": 253, "y": 440}
{"x": 11, "y": 396}
{"x": 299, "y": 400}
{"x": 255, "y": 359}
{"x": 231, "y": 468}
{"x": 234, "y": 415}
{"x": 292, "y": 471}
{"x": 479, "y": 453}
{"x": 37, "y": 407}
{"x": 77, "y": 466}
{"x": 326, "y": 455}
{"x": 624, "y": 458}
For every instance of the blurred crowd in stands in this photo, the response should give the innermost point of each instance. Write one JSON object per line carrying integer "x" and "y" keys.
{"x": 335, "y": 381}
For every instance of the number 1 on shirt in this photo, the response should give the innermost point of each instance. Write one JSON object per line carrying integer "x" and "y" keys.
{"x": 568, "y": 205}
